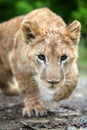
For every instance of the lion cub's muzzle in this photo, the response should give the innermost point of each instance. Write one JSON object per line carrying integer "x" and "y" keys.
{"x": 55, "y": 83}
{"x": 53, "y": 77}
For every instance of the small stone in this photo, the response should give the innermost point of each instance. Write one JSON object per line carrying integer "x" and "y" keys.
{"x": 1, "y": 107}
{"x": 9, "y": 110}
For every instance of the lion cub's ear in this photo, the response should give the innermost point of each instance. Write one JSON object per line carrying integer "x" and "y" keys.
{"x": 30, "y": 31}
{"x": 73, "y": 31}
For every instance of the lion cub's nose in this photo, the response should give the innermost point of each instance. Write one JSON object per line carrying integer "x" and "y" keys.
{"x": 53, "y": 82}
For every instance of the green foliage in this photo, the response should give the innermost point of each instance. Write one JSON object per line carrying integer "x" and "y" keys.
{"x": 81, "y": 14}
{"x": 11, "y": 8}
{"x": 68, "y": 9}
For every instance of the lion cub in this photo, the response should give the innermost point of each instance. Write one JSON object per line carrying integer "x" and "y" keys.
{"x": 40, "y": 51}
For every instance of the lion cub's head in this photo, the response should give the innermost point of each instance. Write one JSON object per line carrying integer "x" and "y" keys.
{"x": 51, "y": 52}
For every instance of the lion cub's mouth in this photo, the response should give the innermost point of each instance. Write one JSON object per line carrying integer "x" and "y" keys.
{"x": 56, "y": 86}
{"x": 49, "y": 87}
{"x": 53, "y": 88}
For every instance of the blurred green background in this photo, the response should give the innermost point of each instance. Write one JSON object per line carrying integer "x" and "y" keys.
{"x": 68, "y": 9}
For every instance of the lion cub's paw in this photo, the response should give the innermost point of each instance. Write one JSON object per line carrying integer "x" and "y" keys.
{"x": 60, "y": 96}
{"x": 34, "y": 110}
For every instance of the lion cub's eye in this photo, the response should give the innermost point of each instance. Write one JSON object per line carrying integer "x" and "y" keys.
{"x": 41, "y": 57}
{"x": 63, "y": 57}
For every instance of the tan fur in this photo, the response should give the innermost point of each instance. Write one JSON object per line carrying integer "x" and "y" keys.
{"x": 22, "y": 39}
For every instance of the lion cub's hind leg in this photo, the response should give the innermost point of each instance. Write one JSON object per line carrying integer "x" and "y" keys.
{"x": 9, "y": 88}
{"x": 8, "y": 85}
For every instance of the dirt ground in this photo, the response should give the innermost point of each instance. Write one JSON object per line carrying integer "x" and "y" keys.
{"x": 70, "y": 114}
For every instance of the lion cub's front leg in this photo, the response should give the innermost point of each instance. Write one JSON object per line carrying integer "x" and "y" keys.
{"x": 28, "y": 89}
{"x": 34, "y": 106}
{"x": 30, "y": 93}
{"x": 66, "y": 90}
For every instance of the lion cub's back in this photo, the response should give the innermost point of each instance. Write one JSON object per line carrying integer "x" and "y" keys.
{"x": 8, "y": 30}
{"x": 7, "y": 33}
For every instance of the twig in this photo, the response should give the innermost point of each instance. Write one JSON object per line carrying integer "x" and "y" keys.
{"x": 28, "y": 125}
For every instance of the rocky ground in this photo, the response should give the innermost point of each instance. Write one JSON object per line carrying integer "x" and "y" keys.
{"x": 70, "y": 114}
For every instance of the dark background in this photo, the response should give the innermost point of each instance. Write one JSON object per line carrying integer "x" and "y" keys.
{"x": 68, "y": 9}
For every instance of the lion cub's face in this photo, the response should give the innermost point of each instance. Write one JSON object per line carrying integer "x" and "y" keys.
{"x": 52, "y": 52}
